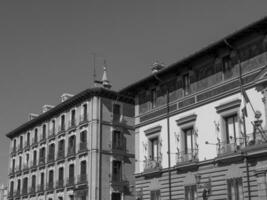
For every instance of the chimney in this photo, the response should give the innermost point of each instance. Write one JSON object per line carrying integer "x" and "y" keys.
{"x": 47, "y": 107}
{"x": 66, "y": 96}
{"x": 32, "y": 116}
{"x": 156, "y": 67}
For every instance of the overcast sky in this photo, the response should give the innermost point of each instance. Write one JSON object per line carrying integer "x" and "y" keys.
{"x": 46, "y": 46}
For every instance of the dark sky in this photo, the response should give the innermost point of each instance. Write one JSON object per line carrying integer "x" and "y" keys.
{"x": 46, "y": 46}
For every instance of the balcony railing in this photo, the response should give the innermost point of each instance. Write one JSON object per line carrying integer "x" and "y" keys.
{"x": 70, "y": 182}
{"x": 71, "y": 151}
{"x": 190, "y": 155}
{"x": 27, "y": 145}
{"x": 51, "y": 157}
{"x": 25, "y": 191}
{"x": 50, "y": 186}
{"x": 82, "y": 179}
{"x": 13, "y": 152}
{"x": 43, "y": 139}
{"x": 11, "y": 171}
{"x": 17, "y": 194}
{"x": 60, "y": 154}
{"x": 83, "y": 119}
{"x": 20, "y": 148}
{"x": 72, "y": 124}
{"x": 10, "y": 194}
{"x": 34, "y": 164}
{"x": 18, "y": 169}
{"x": 33, "y": 190}
{"x": 83, "y": 147}
{"x": 25, "y": 167}
{"x": 61, "y": 128}
{"x": 119, "y": 147}
{"x": 35, "y": 142}
{"x": 230, "y": 147}
{"x": 42, "y": 160}
{"x": 52, "y": 134}
{"x": 152, "y": 164}
{"x": 41, "y": 188}
{"x": 60, "y": 184}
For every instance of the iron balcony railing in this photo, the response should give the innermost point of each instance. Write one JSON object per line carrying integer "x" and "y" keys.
{"x": 119, "y": 146}
{"x": 26, "y": 167}
{"x": 24, "y": 191}
{"x": 71, "y": 151}
{"x": 70, "y": 182}
{"x": 20, "y": 148}
{"x": 153, "y": 163}
{"x": 41, "y": 188}
{"x": 13, "y": 152}
{"x": 33, "y": 163}
{"x": 60, "y": 154}
{"x": 190, "y": 155}
{"x": 72, "y": 124}
{"x": 83, "y": 146}
{"x": 60, "y": 184}
{"x": 50, "y": 186}
{"x": 52, "y": 134}
{"x": 61, "y": 128}
{"x": 231, "y": 146}
{"x": 35, "y": 142}
{"x": 18, "y": 169}
{"x": 42, "y": 160}
{"x": 10, "y": 194}
{"x": 33, "y": 190}
{"x": 82, "y": 179}
{"x": 27, "y": 145}
{"x": 51, "y": 157}
{"x": 83, "y": 119}
{"x": 12, "y": 171}
{"x": 17, "y": 194}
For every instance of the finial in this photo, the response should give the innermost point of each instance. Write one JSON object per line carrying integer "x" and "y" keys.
{"x": 105, "y": 81}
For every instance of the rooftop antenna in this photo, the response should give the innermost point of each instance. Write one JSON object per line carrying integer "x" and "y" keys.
{"x": 94, "y": 69}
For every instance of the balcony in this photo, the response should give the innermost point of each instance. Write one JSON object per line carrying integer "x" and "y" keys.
{"x": 119, "y": 183}
{"x": 41, "y": 188}
{"x": 42, "y": 160}
{"x": 33, "y": 164}
{"x": 224, "y": 148}
{"x": 61, "y": 128}
{"x": 17, "y": 195}
{"x": 71, "y": 182}
{"x": 12, "y": 172}
{"x": 83, "y": 119}
{"x": 13, "y": 152}
{"x": 71, "y": 151}
{"x": 72, "y": 125}
{"x": 10, "y": 194}
{"x": 152, "y": 165}
{"x": 20, "y": 149}
{"x": 60, "y": 184}
{"x": 83, "y": 147}
{"x": 52, "y": 134}
{"x": 18, "y": 169}
{"x": 61, "y": 155}
{"x": 50, "y": 186}
{"x": 25, "y": 167}
{"x": 27, "y": 145}
{"x": 51, "y": 157}
{"x": 24, "y": 191}
{"x": 119, "y": 147}
{"x": 191, "y": 155}
{"x": 32, "y": 190}
{"x": 82, "y": 179}
{"x": 43, "y": 140}
{"x": 35, "y": 142}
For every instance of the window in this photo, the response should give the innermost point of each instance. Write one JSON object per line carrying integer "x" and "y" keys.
{"x": 190, "y": 192}
{"x": 116, "y": 171}
{"x": 42, "y": 155}
{"x": 71, "y": 148}
{"x": 25, "y": 186}
{"x": 117, "y": 140}
{"x": 13, "y": 165}
{"x": 115, "y": 196}
{"x": 27, "y": 159}
{"x": 21, "y": 142}
{"x": 227, "y": 67}
{"x": 11, "y": 189}
{"x": 61, "y": 146}
{"x": 231, "y": 128}
{"x": 71, "y": 174}
{"x": 51, "y": 179}
{"x": 154, "y": 148}
{"x": 33, "y": 182}
{"x": 155, "y": 195}
{"x": 153, "y": 97}
{"x": 61, "y": 174}
{"x": 20, "y": 163}
{"x": 28, "y": 138}
{"x": 188, "y": 142}
{"x": 116, "y": 112}
{"x": 84, "y": 111}
{"x": 36, "y": 135}
{"x": 42, "y": 180}
{"x": 18, "y": 186}
{"x": 83, "y": 136}
{"x": 73, "y": 117}
{"x": 235, "y": 189}
{"x": 51, "y": 155}
{"x": 53, "y": 128}
{"x": 34, "y": 158}
{"x": 44, "y": 131}
{"x": 62, "y": 122}
{"x": 186, "y": 84}
{"x": 14, "y": 145}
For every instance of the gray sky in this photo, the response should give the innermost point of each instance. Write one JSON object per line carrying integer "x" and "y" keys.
{"x": 46, "y": 46}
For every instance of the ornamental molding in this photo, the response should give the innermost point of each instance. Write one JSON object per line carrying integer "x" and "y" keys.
{"x": 153, "y": 130}
{"x": 228, "y": 106}
{"x": 186, "y": 119}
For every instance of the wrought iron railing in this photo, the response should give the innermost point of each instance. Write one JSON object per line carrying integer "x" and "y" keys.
{"x": 190, "y": 155}
{"x": 70, "y": 181}
{"x": 83, "y": 146}
{"x": 153, "y": 163}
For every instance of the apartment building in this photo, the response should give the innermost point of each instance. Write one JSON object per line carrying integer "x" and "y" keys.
{"x": 81, "y": 149}
{"x": 200, "y": 123}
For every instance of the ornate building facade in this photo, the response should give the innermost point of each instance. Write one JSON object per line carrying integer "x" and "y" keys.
{"x": 79, "y": 149}
{"x": 200, "y": 124}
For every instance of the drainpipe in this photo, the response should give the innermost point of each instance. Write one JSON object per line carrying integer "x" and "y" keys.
{"x": 169, "y": 153}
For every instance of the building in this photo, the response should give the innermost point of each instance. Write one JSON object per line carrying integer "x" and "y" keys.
{"x": 80, "y": 149}
{"x": 196, "y": 135}
{"x": 3, "y": 192}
